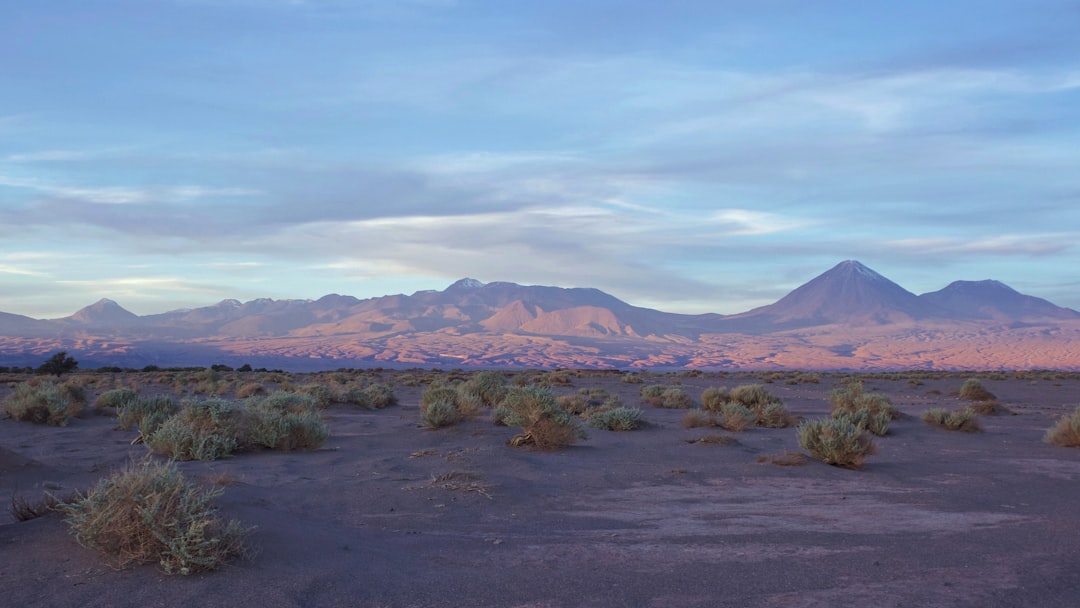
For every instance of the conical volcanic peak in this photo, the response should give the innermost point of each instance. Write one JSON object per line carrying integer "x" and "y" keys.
{"x": 849, "y": 292}
{"x": 104, "y": 312}
{"x": 991, "y": 299}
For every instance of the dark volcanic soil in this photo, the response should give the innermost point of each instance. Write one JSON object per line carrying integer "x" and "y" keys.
{"x": 388, "y": 514}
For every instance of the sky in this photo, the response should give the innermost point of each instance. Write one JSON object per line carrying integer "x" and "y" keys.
{"x": 691, "y": 156}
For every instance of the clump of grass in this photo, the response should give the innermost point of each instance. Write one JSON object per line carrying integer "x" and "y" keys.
{"x": 658, "y": 395}
{"x": 283, "y": 421}
{"x": 962, "y": 419}
{"x": 753, "y": 396}
{"x": 1066, "y": 433}
{"x": 380, "y": 395}
{"x": 250, "y": 389}
{"x": 714, "y": 397}
{"x": 148, "y": 512}
{"x": 438, "y": 414}
{"x": 853, "y": 397}
{"x": 115, "y": 398}
{"x": 543, "y": 424}
{"x": 616, "y": 419}
{"x": 487, "y": 388}
{"x": 148, "y": 413}
{"x": 875, "y": 422}
{"x": 990, "y": 408}
{"x": 836, "y": 442}
{"x": 202, "y": 430}
{"x": 973, "y": 390}
{"x": 42, "y": 402}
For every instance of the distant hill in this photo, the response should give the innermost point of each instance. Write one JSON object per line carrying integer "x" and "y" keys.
{"x": 849, "y": 316}
{"x": 994, "y": 300}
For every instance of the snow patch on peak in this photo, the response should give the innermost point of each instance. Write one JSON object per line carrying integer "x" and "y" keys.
{"x": 467, "y": 284}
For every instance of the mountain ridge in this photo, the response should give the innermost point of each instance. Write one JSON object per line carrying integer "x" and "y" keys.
{"x": 521, "y": 321}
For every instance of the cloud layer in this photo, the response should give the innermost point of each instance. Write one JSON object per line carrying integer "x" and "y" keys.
{"x": 704, "y": 157}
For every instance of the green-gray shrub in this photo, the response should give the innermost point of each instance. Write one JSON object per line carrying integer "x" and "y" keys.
{"x": 147, "y": 413}
{"x": 713, "y": 398}
{"x": 439, "y": 414}
{"x": 488, "y": 387}
{"x": 115, "y": 398}
{"x": 962, "y": 419}
{"x": 616, "y": 419}
{"x": 1066, "y": 433}
{"x": 735, "y": 416}
{"x": 41, "y": 403}
{"x": 148, "y": 512}
{"x": 543, "y": 423}
{"x": 753, "y": 396}
{"x": 836, "y": 442}
{"x": 877, "y": 423}
{"x": 853, "y": 398}
{"x": 380, "y": 395}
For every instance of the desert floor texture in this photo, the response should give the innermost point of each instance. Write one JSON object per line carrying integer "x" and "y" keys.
{"x": 389, "y": 514}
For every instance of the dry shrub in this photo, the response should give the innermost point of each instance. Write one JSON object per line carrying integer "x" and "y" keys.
{"x": 836, "y": 442}
{"x": 616, "y": 419}
{"x": 250, "y": 389}
{"x": 753, "y": 396}
{"x": 147, "y": 512}
{"x": 875, "y": 422}
{"x": 714, "y": 397}
{"x": 853, "y": 398}
{"x": 973, "y": 390}
{"x": 23, "y": 510}
{"x": 787, "y": 458}
{"x": 44, "y": 402}
{"x": 990, "y": 408}
{"x": 439, "y": 414}
{"x": 699, "y": 418}
{"x": 543, "y": 423}
{"x": 115, "y": 398}
{"x": 721, "y": 440}
{"x": 962, "y": 419}
{"x": 735, "y": 416}
{"x": 573, "y": 404}
{"x": 1066, "y": 433}
{"x": 148, "y": 413}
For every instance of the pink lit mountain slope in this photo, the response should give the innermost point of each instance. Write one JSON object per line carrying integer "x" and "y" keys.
{"x": 849, "y": 317}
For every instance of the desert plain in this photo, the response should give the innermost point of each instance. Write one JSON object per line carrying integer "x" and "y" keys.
{"x": 388, "y": 513}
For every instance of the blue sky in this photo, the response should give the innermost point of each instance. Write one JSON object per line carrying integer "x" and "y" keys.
{"x": 689, "y": 156}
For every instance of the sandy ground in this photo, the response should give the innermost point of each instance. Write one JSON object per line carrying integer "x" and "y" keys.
{"x": 640, "y": 518}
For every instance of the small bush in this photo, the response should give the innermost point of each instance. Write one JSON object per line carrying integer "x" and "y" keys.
{"x": 712, "y": 398}
{"x": 698, "y": 419}
{"x": 202, "y": 430}
{"x": 438, "y": 414}
{"x": 617, "y": 419}
{"x": 322, "y": 393}
{"x": 543, "y": 423}
{"x": 973, "y": 390}
{"x": 148, "y": 512}
{"x": 773, "y": 416}
{"x": 115, "y": 398}
{"x": 653, "y": 394}
{"x": 853, "y": 398}
{"x": 877, "y": 423}
{"x": 250, "y": 389}
{"x": 148, "y": 413}
{"x": 1066, "y": 433}
{"x": 488, "y": 387}
{"x": 836, "y": 442}
{"x": 990, "y": 408}
{"x": 735, "y": 416}
{"x": 282, "y": 421}
{"x": 753, "y": 396}
{"x": 380, "y": 396}
{"x": 962, "y": 419}
{"x": 42, "y": 403}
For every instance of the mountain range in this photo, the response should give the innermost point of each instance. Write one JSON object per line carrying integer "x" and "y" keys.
{"x": 849, "y": 317}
